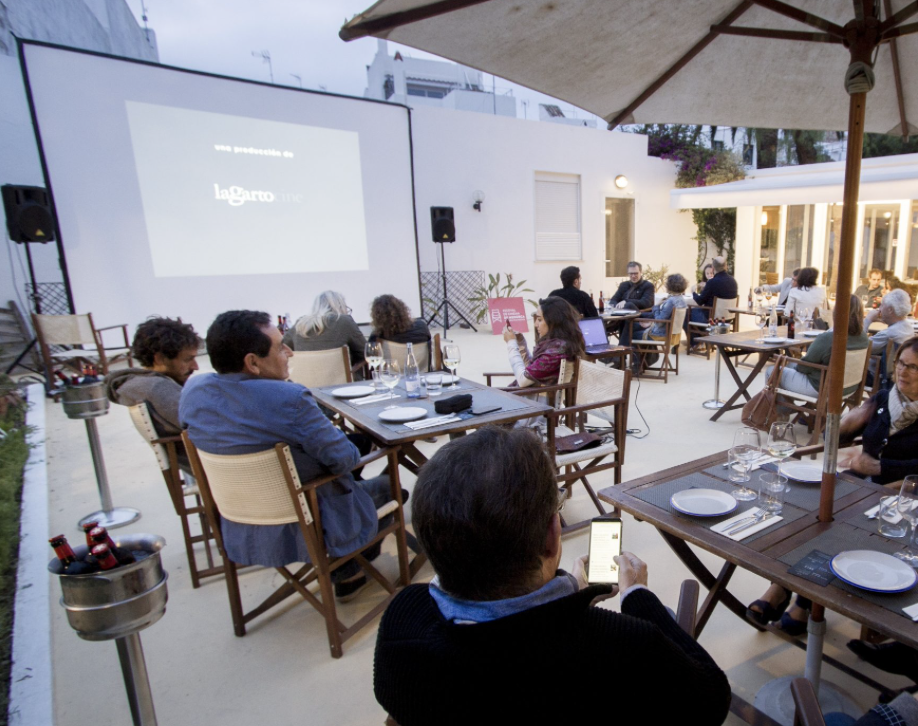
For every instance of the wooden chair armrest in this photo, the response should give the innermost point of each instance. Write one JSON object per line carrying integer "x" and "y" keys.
{"x": 819, "y": 448}
{"x": 688, "y": 606}
{"x": 123, "y": 326}
{"x": 807, "y": 711}
{"x": 489, "y": 376}
{"x": 168, "y": 440}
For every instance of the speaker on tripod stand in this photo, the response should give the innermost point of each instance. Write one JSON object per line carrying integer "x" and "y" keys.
{"x": 443, "y": 231}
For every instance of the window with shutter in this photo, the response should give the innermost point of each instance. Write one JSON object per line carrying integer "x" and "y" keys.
{"x": 557, "y": 217}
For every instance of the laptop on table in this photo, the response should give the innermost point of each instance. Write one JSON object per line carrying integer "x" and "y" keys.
{"x": 594, "y": 336}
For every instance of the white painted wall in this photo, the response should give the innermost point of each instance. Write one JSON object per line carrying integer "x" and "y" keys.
{"x": 456, "y": 153}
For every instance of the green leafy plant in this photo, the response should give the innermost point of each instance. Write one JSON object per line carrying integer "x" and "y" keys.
{"x": 657, "y": 277}
{"x": 495, "y": 288}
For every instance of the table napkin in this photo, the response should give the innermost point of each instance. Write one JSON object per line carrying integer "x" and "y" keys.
{"x": 874, "y": 512}
{"x": 723, "y": 527}
{"x": 370, "y": 399}
{"x": 428, "y": 422}
{"x": 912, "y": 611}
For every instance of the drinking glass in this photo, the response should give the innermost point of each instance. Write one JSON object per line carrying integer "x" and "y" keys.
{"x": 389, "y": 373}
{"x": 889, "y": 521}
{"x": 782, "y": 441}
{"x": 908, "y": 508}
{"x": 747, "y": 448}
{"x": 374, "y": 356}
{"x": 771, "y": 491}
{"x": 761, "y": 320}
{"x": 452, "y": 357}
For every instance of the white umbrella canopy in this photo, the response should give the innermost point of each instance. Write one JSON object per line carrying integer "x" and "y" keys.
{"x": 602, "y": 55}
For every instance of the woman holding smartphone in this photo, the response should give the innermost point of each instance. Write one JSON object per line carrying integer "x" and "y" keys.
{"x": 559, "y": 338}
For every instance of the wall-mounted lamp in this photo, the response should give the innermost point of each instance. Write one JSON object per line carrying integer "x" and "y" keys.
{"x": 479, "y": 197}
{"x": 887, "y": 215}
{"x": 608, "y": 212}
{"x": 621, "y": 181}
{"x": 764, "y": 218}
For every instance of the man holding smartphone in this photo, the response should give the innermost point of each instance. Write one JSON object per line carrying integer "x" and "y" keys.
{"x": 500, "y": 631}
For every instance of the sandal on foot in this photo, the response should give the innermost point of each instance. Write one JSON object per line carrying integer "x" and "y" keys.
{"x": 767, "y": 613}
{"x": 792, "y": 626}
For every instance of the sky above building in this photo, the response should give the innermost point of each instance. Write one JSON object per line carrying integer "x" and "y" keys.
{"x": 301, "y": 36}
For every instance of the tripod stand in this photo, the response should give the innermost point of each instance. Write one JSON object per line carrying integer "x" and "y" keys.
{"x": 445, "y": 303}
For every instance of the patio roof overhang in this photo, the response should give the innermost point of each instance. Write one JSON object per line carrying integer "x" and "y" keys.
{"x": 882, "y": 179}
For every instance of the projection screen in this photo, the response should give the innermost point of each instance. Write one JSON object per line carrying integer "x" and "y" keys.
{"x": 184, "y": 194}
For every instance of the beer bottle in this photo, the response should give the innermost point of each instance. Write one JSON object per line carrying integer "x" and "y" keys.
{"x": 70, "y": 565}
{"x": 104, "y": 557}
{"x": 99, "y": 535}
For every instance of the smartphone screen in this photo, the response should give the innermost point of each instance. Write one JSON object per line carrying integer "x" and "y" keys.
{"x": 605, "y": 544}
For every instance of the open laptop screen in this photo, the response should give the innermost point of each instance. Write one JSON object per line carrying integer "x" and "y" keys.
{"x": 594, "y": 332}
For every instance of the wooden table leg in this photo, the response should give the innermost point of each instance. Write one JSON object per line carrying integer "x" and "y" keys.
{"x": 741, "y": 384}
{"x": 716, "y": 585}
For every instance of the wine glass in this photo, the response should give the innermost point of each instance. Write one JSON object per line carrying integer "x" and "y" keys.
{"x": 374, "y": 356}
{"x": 908, "y": 508}
{"x": 768, "y": 294}
{"x": 747, "y": 448}
{"x": 782, "y": 441}
{"x": 452, "y": 357}
{"x": 389, "y": 373}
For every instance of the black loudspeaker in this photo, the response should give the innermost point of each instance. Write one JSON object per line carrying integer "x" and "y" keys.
{"x": 28, "y": 213}
{"x": 442, "y": 225}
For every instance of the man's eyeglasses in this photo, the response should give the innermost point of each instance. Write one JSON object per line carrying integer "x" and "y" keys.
{"x": 636, "y": 273}
{"x": 910, "y": 367}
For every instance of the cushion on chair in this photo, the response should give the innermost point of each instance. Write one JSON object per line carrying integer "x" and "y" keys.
{"x": 797, "y": 396}
{"x": 575, "y": 457}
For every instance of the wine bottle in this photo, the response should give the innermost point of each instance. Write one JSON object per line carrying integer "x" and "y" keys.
{"x": 412, "y": 374}
{"x": 749, "y": 303}
{"x": 791, "y": 325}
{"x": 602, "y": 304}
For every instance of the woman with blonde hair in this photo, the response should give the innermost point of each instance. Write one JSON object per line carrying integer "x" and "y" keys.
{"x": 328, "y": 326}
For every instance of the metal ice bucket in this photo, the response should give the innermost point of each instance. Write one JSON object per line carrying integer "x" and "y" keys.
{"x": 115, "y": 603}
{"x": 85, "y": 401}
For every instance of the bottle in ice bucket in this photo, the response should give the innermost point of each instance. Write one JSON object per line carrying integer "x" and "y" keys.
{"x": 412, "y": 374}
{"x": 70, "y": 565}
{"x": 104, "y": 557}
{"x": 99, "y": 535}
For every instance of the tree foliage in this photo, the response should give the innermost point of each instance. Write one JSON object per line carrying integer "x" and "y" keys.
{"x": 699, "y": 166}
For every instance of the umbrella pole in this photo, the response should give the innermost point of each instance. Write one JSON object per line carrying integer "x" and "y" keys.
{"x": 856, "y": 114}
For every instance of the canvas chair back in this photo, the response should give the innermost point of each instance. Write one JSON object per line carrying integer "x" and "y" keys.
{"x": 595, "y": 382}
{"x": 252, "y": 488}
{"x": 65, "y": 329}
{"x": 398, "y": 352}
{"x": 855, "y": 360}
{"x": 720, "y": 308}
{"x": 140, "y": 415}
{"x": 316, "y": 368}
{"x": 676, "y": 330}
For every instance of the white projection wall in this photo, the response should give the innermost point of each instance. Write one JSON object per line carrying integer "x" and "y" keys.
{"x": 186, "y": 195}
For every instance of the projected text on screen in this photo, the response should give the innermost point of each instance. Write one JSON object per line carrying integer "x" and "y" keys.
{"x": 231, "y": 195}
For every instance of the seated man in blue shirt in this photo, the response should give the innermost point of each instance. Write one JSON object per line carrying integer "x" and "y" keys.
{"x": 248, "y": 406}
{"x": 482, "y": 642}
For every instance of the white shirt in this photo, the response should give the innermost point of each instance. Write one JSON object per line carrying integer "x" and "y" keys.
{"x": 800, "y": 299}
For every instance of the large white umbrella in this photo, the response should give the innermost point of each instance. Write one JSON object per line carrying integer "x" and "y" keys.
{"x": 808, "y": 64}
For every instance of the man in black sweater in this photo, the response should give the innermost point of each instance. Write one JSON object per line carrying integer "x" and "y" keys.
{"x": 722, "y": 285}
{"x": 635, "y": 293}
{"x": 484, "y": 642}
{"x": 570, "y": 291}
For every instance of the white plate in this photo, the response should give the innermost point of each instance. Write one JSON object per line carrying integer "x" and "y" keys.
{"x": 874, "y": 571}
{"x": 703, "y": 502}
{"x": 812, "y": 333}
{"x": 402, "y": 414}
{"x": 776, "y": 339}
{"x": 353, "y": 392}
{"x": 802, "y": 471}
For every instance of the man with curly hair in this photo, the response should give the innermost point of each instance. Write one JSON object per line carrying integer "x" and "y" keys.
{"x": 167, "y": 350}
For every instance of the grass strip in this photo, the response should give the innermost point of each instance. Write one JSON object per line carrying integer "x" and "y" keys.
{"x": 13, "y": 454}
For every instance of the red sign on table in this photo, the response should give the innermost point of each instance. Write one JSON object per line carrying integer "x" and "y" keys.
{"x": 503, "y": 310}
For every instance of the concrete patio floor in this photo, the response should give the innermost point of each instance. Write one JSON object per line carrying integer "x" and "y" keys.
{"x": 281, "y": 672}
